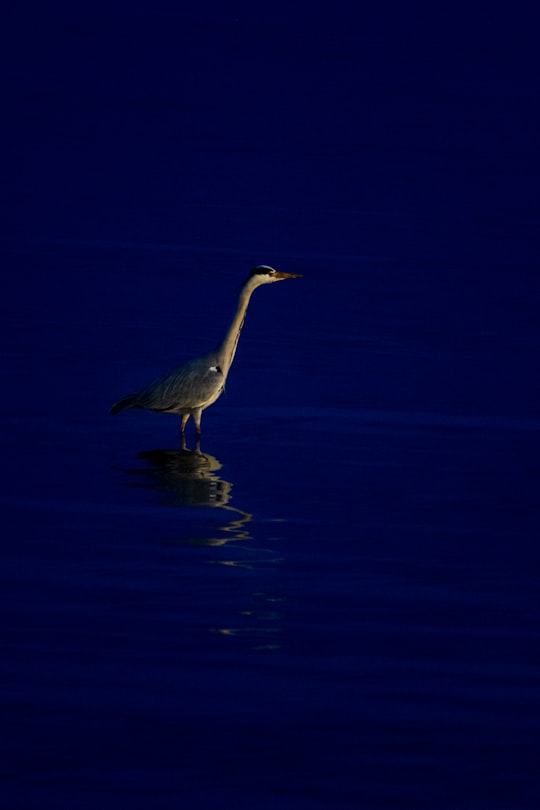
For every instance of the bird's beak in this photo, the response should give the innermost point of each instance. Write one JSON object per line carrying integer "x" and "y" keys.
{"x": 283, "y": 276}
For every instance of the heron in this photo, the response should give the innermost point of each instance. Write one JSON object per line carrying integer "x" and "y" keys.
{"x": 190, "y": 389}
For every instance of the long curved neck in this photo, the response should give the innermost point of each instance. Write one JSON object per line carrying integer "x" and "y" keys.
{"x": 227, "y": 349}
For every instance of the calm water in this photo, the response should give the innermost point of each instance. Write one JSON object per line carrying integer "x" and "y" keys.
{"x": 335, "y": 602}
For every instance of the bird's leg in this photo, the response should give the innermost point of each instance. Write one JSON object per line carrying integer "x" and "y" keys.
{"x": 197, "y": 419}
{"x": 185, "y": 417}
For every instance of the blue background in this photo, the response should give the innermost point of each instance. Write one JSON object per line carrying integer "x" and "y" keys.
{"x": 336, "y": 604}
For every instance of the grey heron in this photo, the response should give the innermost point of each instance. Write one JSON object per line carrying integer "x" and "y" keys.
{"x": 188, "y": 390}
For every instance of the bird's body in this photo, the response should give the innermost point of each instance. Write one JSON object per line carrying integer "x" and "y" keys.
{"x": 196, "y": 385}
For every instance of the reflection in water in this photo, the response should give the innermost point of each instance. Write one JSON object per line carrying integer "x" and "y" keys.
{"x": 188, "y": 478}
{"x": 261, "y": 624}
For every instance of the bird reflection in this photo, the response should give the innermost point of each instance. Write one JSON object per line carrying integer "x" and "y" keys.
{"x": 188, "y": 478}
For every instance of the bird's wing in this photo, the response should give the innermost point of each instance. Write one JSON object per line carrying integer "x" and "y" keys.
{"x": 190, "y": 386}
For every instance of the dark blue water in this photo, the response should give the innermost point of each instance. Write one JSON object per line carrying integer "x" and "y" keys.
{"x": 335, "y": 602}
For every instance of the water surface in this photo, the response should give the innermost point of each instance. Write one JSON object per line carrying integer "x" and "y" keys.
{"x": 334, "y": 602}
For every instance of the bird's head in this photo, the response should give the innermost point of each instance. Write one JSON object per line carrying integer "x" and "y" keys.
{"x": 263, "y": 274}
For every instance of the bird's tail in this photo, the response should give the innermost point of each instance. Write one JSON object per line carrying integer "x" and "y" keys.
{"x": 122, "y": 404}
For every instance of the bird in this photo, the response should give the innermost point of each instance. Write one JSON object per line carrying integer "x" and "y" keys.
{"x": 194, "y": 386}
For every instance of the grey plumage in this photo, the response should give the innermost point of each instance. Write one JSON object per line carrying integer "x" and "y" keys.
{"x": 191, "y": 388}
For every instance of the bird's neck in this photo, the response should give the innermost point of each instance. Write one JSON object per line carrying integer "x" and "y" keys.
{"x": 227, "y": 349}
